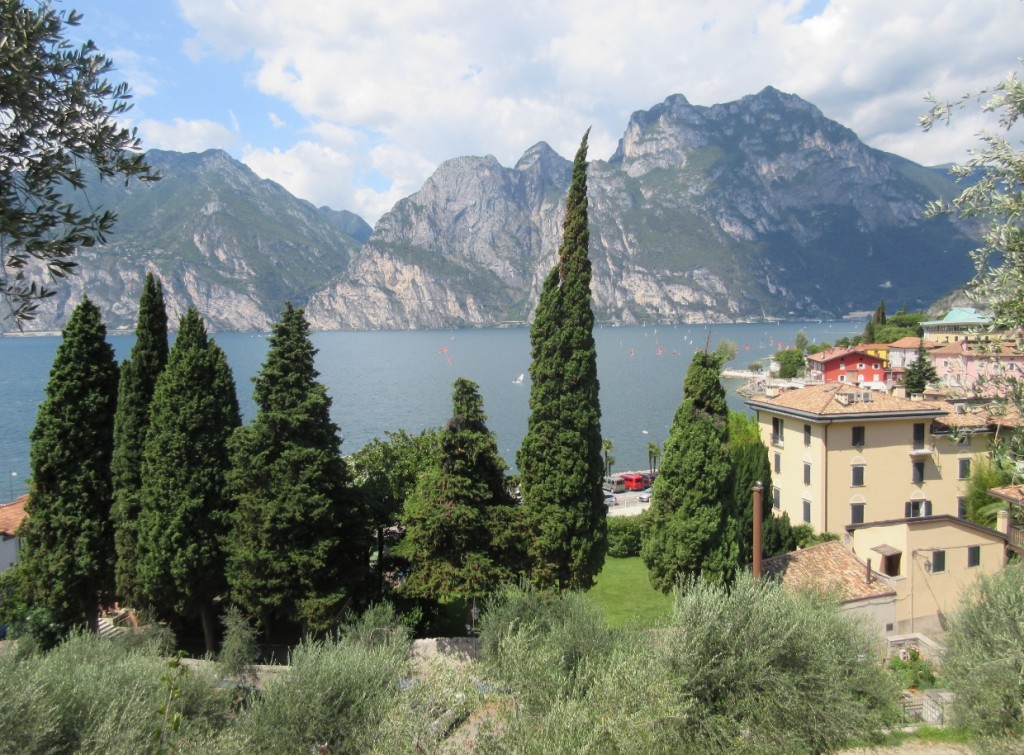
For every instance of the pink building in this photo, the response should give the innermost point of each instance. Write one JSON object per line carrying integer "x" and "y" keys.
{"x": 971, "y": 366}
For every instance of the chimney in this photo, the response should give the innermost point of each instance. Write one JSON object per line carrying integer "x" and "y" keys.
{"x": 757, "y": 498}
{"x": 867, "y": 573}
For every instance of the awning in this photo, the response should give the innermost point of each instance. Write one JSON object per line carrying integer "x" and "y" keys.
{"x": 886, "y": 550}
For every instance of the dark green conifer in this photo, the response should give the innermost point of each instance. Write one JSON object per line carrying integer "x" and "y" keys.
{"x": 299, "y": 546}
{"x": 135, "y": 392}
{"x": 456, "y": 520}
{"x": 692, "y": 497}
{"x": 183, "y": 507}
{"x": 920, "y": 372}
{"x": 67, "y": 546}
{"x": 560, "y": 459}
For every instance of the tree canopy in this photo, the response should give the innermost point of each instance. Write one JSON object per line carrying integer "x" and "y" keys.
{"x": 60, "y": 118}
{"x": 299, "y": 546}
{"x": 560, "y": 462}
{"x": 67, "y": 551}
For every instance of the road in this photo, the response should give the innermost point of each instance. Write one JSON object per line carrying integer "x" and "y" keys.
{"x": 628, "y": 504}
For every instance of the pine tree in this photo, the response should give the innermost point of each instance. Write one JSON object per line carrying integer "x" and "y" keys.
{"x": 67, "y": 542}
{"x": 457, "y": 538}
{"x": 692, "y": 497}
{"x": 920, "y": 372}
{"x": 139, "y": 374}
{"x": 183, "y": 507}
{"x": 560, "y": 459}
{"x": 300, "y": 540}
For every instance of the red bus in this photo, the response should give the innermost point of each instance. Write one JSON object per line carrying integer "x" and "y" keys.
{"x": 634, "y": 481}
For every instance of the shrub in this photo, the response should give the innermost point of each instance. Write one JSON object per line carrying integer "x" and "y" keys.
{"x": 239, "y": 650}
{"x": 914, "y": 672}
{"x": 984, "y": 659}
{"x": 625, "y": 535}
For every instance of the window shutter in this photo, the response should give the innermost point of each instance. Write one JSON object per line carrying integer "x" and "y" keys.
{"x": 906, "y": 510}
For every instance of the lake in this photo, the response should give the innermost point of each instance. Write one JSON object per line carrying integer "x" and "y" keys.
{"x": 388, "y": 380}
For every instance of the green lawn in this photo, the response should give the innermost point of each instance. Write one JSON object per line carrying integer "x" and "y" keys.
{"x": 624, "y": 591}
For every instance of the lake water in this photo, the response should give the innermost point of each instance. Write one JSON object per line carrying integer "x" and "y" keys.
{"x": 385, "y": 381}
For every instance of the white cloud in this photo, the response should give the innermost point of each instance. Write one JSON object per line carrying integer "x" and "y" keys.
{"x": 420, "y": 81}
{"x": 275, "y": 120}
{"x": 186, "y": 136}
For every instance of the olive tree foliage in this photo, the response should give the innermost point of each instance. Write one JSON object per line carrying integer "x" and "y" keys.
{"x": 995, "y": 199}
{"x": 58, "y": 118}
{"x": 984, "y": 659}
{"x": 754, "y": 668}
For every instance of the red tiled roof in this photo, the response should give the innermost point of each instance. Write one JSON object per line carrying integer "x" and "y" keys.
{"x": 11, "y": 515}
{"x": 821, "y": 399}
{"x": 829, "y": 569}
{"x": 912, "y": 342}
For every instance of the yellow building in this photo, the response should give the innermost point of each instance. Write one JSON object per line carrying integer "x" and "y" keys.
{"x": 929, "y": 562}
{"x": 844, "y": 455}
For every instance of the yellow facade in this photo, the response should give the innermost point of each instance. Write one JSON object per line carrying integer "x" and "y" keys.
{"x": 933, "y": 562}
{"x": 831, "y": 470}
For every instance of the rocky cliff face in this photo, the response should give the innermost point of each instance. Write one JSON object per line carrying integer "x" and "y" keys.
{"x": 756, "y": 208}
{"x": 220, "y": 238}
{"x": 760, "y": 207}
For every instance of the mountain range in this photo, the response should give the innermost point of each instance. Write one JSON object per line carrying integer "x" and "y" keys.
{"x": 758, "y": 208}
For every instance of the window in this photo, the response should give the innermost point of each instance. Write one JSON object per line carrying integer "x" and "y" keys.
{"x": 914, "y": 509}
{"x": 961, "y": 507}
{"x": 917, "y": 473}
{"x": 777, "y": 429}
{"x": 807, "y": 511}
{"x": 776, "y": 498}
{"x": 891, "y": 564}
{"x": 842, "y": 378}
{"x": 973, "y": 555}
{"x": 860, "y": 365}
{"x": 965, "y": 468}
{"x": 858, "y": 435}
{"x": 807, "y": 435}
{"x": 876, "y": 366}
{"x": 778, "y": 463}
{"x": 938, "y": 562}
{"x": 807, "y": 473}
{"x": 919, "y": 436}
{"x": 856, "y": 513}
{"x": 857, "y": 476}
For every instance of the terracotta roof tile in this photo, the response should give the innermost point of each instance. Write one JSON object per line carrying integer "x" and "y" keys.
{"x": 912, "y": 342}
{"x": 11, "y": 515}
{"x": 821, "y": 399}
{"x": 826, "y": 568}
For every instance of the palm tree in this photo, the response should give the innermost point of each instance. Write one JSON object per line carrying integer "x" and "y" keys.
{"x": 607, "y": 448}
{"x": 653, "y": 454}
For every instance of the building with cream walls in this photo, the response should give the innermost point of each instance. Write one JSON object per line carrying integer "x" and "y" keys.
{"x": 843, "y": 455}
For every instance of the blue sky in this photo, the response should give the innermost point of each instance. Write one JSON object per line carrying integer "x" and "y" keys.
{"x": 354, "y": 103}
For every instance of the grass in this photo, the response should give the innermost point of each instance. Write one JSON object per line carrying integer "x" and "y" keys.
{"x": 624, "y": 593}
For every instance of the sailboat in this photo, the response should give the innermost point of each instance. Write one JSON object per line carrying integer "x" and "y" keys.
{"x": 519, "y": 379}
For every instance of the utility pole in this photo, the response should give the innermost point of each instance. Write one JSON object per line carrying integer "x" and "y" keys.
{"x": 757, "y": 498}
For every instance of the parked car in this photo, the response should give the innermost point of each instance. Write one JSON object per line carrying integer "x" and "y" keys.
{"x": 645, "y": 497}
{"x": 614, "y": 484}
{"x": 610, "y": 500}
{"x": 634, "y": 481}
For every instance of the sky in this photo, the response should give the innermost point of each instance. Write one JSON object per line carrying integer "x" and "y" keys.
{"x": 354, "y": 103}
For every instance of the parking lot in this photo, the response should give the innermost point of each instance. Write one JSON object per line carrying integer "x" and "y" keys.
{"x": 628, "y": 504}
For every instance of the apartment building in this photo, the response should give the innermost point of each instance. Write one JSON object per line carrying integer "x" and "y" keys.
{"x": 846, "y": 455}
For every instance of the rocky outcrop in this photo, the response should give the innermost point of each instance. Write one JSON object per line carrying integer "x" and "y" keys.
{"x": 760, "y": 207}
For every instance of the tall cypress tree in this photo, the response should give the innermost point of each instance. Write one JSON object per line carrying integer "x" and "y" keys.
{"x": 456, "y": 520}
{"x": 560, "y": 459}
{"x": 920, "y": 373}
{"x": 691, "y": 500}
{"x": 67, "y": 541}
{"x": 135, "y": 392}
{"x": 183, "y": 507}
{"x": 299, "y": 545}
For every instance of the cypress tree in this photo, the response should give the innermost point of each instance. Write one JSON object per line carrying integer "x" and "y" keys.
{"x": 183, "y": 507}
{"x": 135, "y": 392}
{"x": 750, "y": 464}
{"x": 692, "y": 497}
{"x": 300, "y": 541}
{"x": 456, "y": 519}
{"x": 67, "y": 542}
{"x": 560, "y": 459}
{"x": 920, "y": 373}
